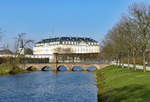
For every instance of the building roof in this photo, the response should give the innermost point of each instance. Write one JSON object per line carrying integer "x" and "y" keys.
{"x": 61, "y": 39}
{"x": 5, "y": 52}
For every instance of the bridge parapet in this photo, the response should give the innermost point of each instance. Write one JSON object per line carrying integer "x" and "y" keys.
{"x": 68, "y": 66}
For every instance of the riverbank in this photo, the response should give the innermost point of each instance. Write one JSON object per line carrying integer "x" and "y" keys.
{"x": 123, "y": 85}
{"x": 8, "y": 69}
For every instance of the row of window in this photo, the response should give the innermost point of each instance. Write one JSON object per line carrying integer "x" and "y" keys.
{"x": 66, "y": 43}
{"x": 78, "y": 50}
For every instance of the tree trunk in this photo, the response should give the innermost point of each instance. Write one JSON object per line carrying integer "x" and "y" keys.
{"x": 122, "y": 63}
{"x": 119, "y": 62}
{"x": 144, "y": 59}
{"x": 134, "y": 60}
{"x": 128, "y": 61}
{"x": 134, "y": 63}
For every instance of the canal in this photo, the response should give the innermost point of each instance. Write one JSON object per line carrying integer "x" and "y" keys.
{"x": 49, "y": 87}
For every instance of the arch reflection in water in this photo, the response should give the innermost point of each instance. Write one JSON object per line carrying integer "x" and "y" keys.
{"x": 62, "y": 68}
{"x": 46, "y": 69}
{"x": 91, "y": 68}
{"x": 77, "y": 68}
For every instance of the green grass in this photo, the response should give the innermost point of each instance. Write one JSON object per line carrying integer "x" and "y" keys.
{"x": 123, "y": 85}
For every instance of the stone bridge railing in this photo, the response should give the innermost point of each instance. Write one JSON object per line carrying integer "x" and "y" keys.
{"x": 68, "y": 66}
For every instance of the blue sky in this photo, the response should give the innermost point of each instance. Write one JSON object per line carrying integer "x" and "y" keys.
{"x": 39, "y": 18}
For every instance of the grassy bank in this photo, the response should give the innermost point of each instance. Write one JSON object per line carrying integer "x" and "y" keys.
{"x": 123, "y": 85}
{"x": 7, "y": 69}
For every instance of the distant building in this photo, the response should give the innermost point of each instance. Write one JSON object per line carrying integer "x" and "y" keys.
{"x": 47, "y": 47}
{"x": 66, "y": 45}
{"x": 5, "y": 52}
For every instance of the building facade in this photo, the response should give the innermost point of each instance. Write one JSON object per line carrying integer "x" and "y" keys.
{"x": 48, "y": 47}
{"x": 66, "y": 45}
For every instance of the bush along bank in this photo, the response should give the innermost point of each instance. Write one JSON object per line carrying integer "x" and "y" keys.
{"x": 8, "y": 69}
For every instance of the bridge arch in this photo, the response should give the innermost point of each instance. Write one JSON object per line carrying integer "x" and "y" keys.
{"x": 77, "y": 68}
{"x": 92, "y": 68}
{"x": 62, "y": 68}
{"x": 31, "y": 68}
{"x": 46, "y": 68}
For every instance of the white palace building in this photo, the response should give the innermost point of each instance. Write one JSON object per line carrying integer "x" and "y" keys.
{"x": 47, "y": 47}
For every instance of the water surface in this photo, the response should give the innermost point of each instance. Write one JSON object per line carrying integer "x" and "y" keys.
{"x": 49, "y": 87}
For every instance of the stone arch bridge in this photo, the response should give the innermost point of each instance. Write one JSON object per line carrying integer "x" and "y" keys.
{"x": 68, "y": 66}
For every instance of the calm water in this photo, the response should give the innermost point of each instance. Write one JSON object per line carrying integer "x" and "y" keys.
{"x": 49, "y": 87}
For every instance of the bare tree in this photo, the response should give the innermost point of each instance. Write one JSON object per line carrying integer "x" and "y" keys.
{"x": 21, "y": 43}
{"x": 113, "y": 44}
{"x": 131, "y": 39}
{"x": 140, "y": 13}
{"x": 130, "y": 36}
